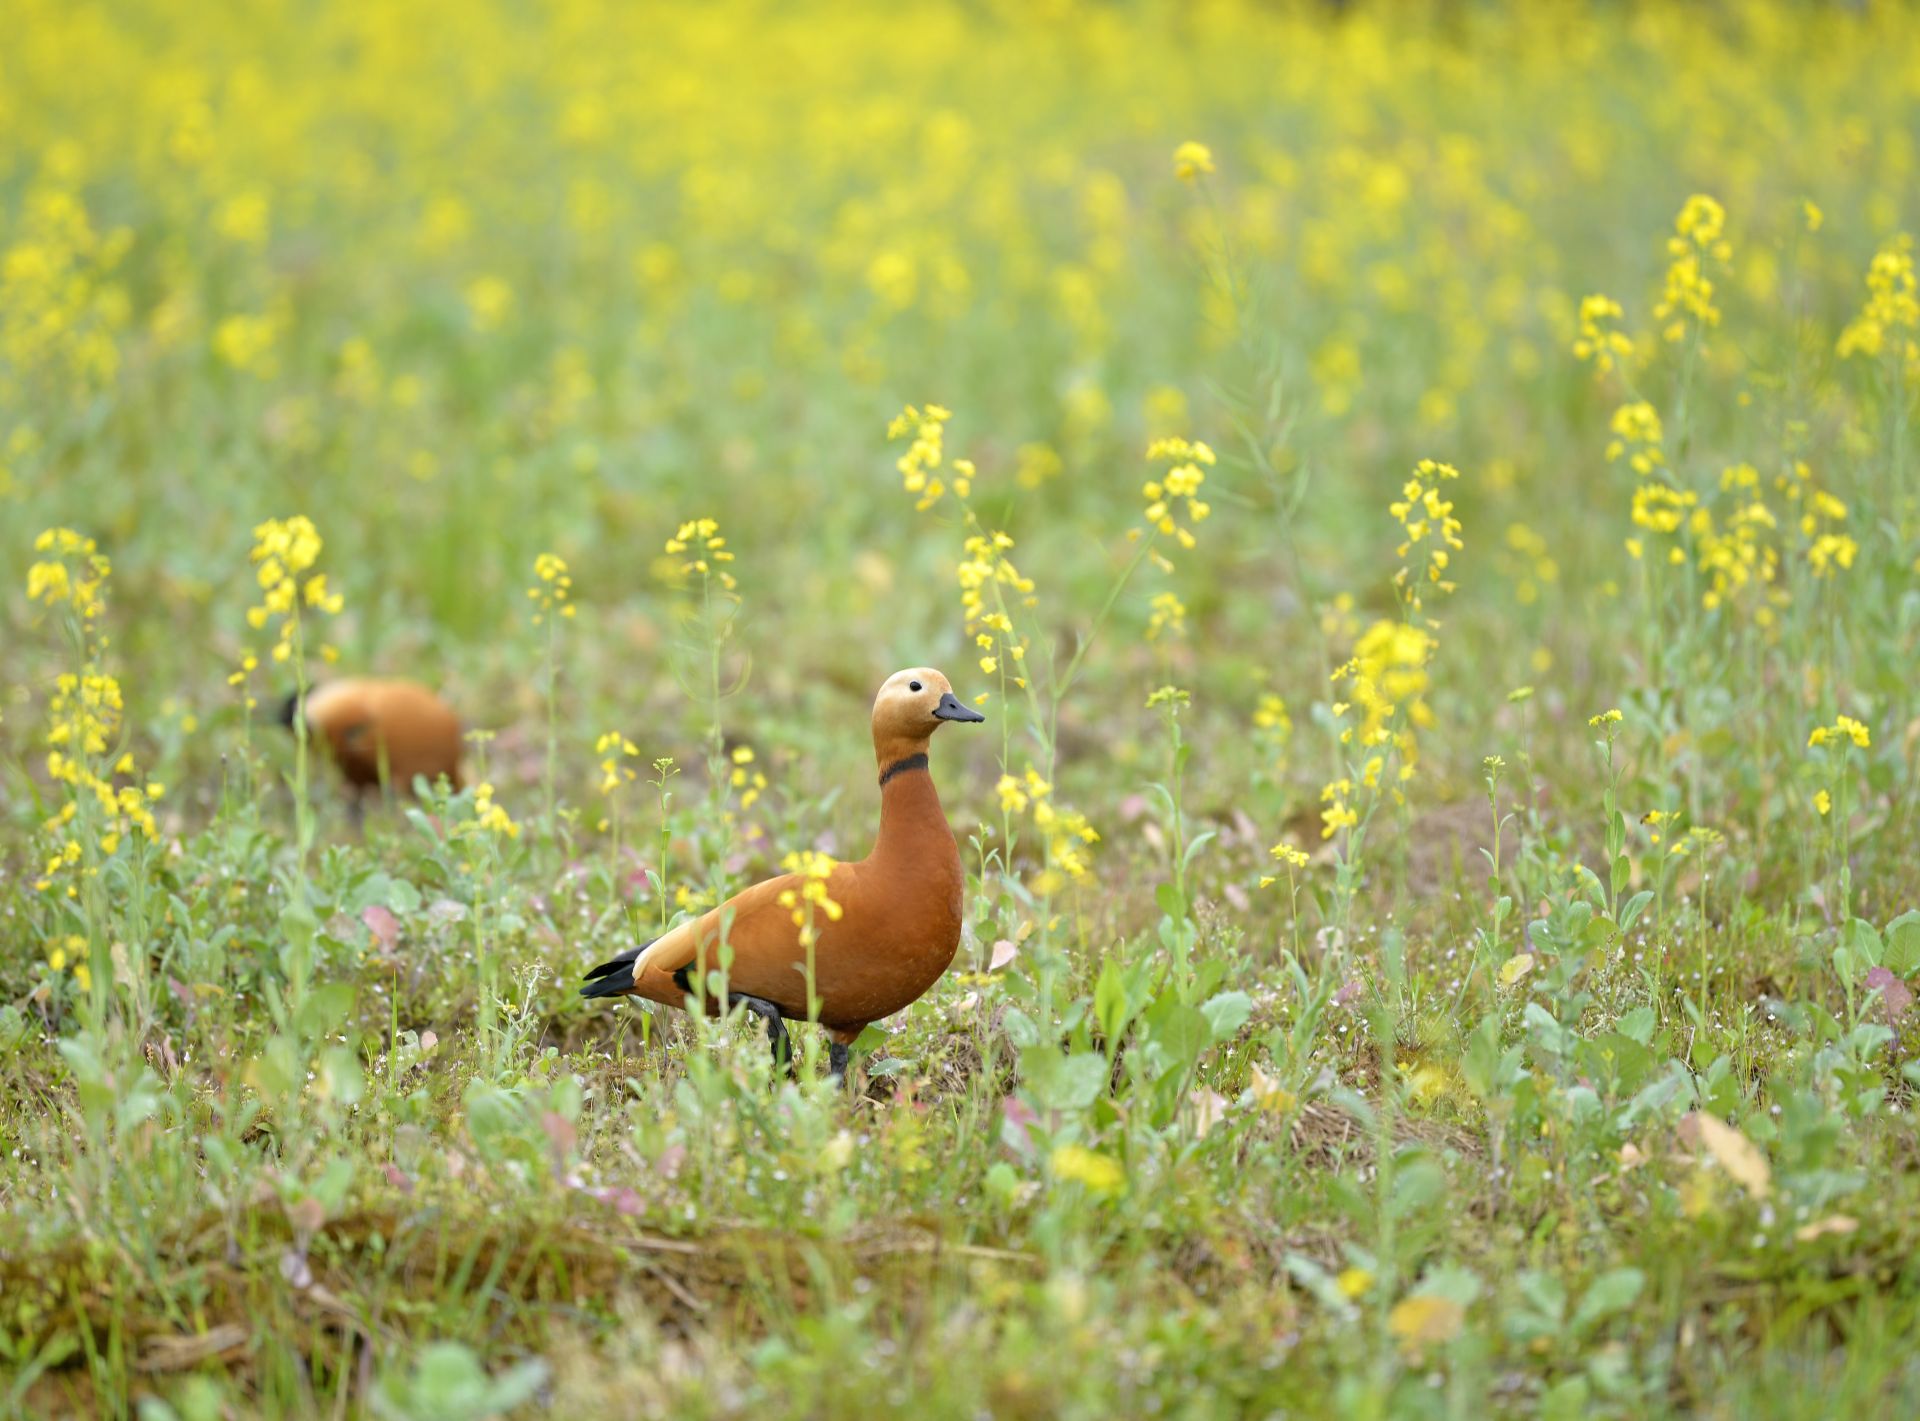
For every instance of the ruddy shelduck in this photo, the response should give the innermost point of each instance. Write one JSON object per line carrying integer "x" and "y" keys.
{"x": 381, "y": 732}
{"x": 898, "y": 923}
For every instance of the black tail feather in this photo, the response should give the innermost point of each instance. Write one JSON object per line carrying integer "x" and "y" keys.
{"x": 615, "y": 978}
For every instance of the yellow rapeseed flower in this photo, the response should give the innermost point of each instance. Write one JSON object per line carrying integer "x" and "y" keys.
{"x": 1177, "y": 489}
{"x": 1697, "y": 246}
{"x": 1100, "y": 1174}
{"x": 552, "y": 589}
{"x": 1892, "y": 308}
{"x": 1844, "y": 728}
{"x": 1601, "y": 340}
{"x": 1191, "y": 161}
{"x": 703, "y": 550}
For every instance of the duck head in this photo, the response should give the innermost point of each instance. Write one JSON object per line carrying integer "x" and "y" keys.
{"x": 912, "y": 704}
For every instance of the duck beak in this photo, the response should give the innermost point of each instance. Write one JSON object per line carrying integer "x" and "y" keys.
{"x": 950, "y": 708}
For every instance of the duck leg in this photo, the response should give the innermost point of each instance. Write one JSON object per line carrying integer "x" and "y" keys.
{"x": 776, "y": 1028}
{"x": 837, "y": 1055}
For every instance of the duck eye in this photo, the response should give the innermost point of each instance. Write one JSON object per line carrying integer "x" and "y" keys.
{"x": 913, "y": 685}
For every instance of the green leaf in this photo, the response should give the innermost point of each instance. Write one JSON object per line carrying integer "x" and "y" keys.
{"x": 1168, "y": 897}
{"x": 1059, "y": 1082}
{"x": 298, "y": 925}
{"x": 1548, "y": 1034}
{"x": 1019, "y": 1028}
{"x": 1227, "y": 1013}
{"x": 1451, "y": 1281}
{"x": 1902, "y": 956}
{"x": 1864, "y": 940}
{"x": 1633, "y": 908}
{"x": 1610, "y": 1293}
{"x": 1114, "y": 1000}
{"x": 495, "y": 1121}
{"x": 1176, "y": 1035}
{"x": 1638, "y": 1025}
{"x": 1199, "y": 842}
{"x": 324, "y": 1010}
{"x": 1393, "y": 956}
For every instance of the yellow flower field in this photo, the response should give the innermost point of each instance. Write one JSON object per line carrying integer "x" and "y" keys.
{"x": 1423, "y": 494}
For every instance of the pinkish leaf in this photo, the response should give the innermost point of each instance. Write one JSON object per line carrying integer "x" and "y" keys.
{"x": 381, "y": 923}
{"x": 397, "y": 1177}
{"x": 1016, "y": 1125}
{"x": 560, "y": 1134}
{"x": 670, "y": 1161}
{"x": 428, "y": 1040}
{"x": 1896, "y": 996}
{"x": 624, "y": 1199}
{"x": 293, "y": 1267}
{"x": 1347, "y": 993}
{"x": 306, "y": 1215}
{"x": 1003, "y": 953}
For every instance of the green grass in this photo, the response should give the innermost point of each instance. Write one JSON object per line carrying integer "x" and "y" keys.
{"x": 1570, "y": 1074}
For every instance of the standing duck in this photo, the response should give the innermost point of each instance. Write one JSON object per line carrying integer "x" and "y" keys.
{"x": 381, "y": 732}
{"x": 899, "y": 919}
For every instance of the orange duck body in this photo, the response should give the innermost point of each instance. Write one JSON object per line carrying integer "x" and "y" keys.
{"x": 899, "y": 922}
{"x": 383, "y": 730}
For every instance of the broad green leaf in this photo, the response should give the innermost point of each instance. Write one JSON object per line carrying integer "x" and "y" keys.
{"x": 324, "y": 1010}
{"x": 1902, "y": 955}
{"x": 1631, "y": 910}
{"x": 1227, "y": 1013}
{"x": 1061, "y": 1082}
{"x": 1610, "y": 1293}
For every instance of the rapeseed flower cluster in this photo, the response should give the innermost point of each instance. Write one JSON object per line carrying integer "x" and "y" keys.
{"x": 73, "y": 574}
{"x": 62, "y": 308}
{"x": 1828, "y": 547}
{"x": 1100, "y": 1175}
{"x": 704, "y": 551}
{"x": 1890, "y": 320}
{"x": 1844, "y": 730}
{"x": 1432, "y": 532}
{"x": 552, "y": 589}
{"x": 926, "y": 449}
{"x": 986, "y": 576}
{"x": 1192, "y": 161}
{"x": 1385, "y": 678}
{"x": 489, "y": 816}
{"x": 1601, "y": 340}
{"x": 1068, "y": 835}
{"x": 1176, "y": 491}
{"x": 615, "y": 750}
{"x": 285, "y": 551}
{"x": 1697, "y": 247}
{"x": 809, "y": 901}
{"x": 1273, "y": 728}
{"x": 106, "y": 799}
{"x": 1637, "y": 437}
{"x": 1166, "y": 614}
{"x": 746, "y": 776}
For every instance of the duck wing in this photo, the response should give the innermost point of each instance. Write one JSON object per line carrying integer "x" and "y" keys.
{"x": 754, "y": 923}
